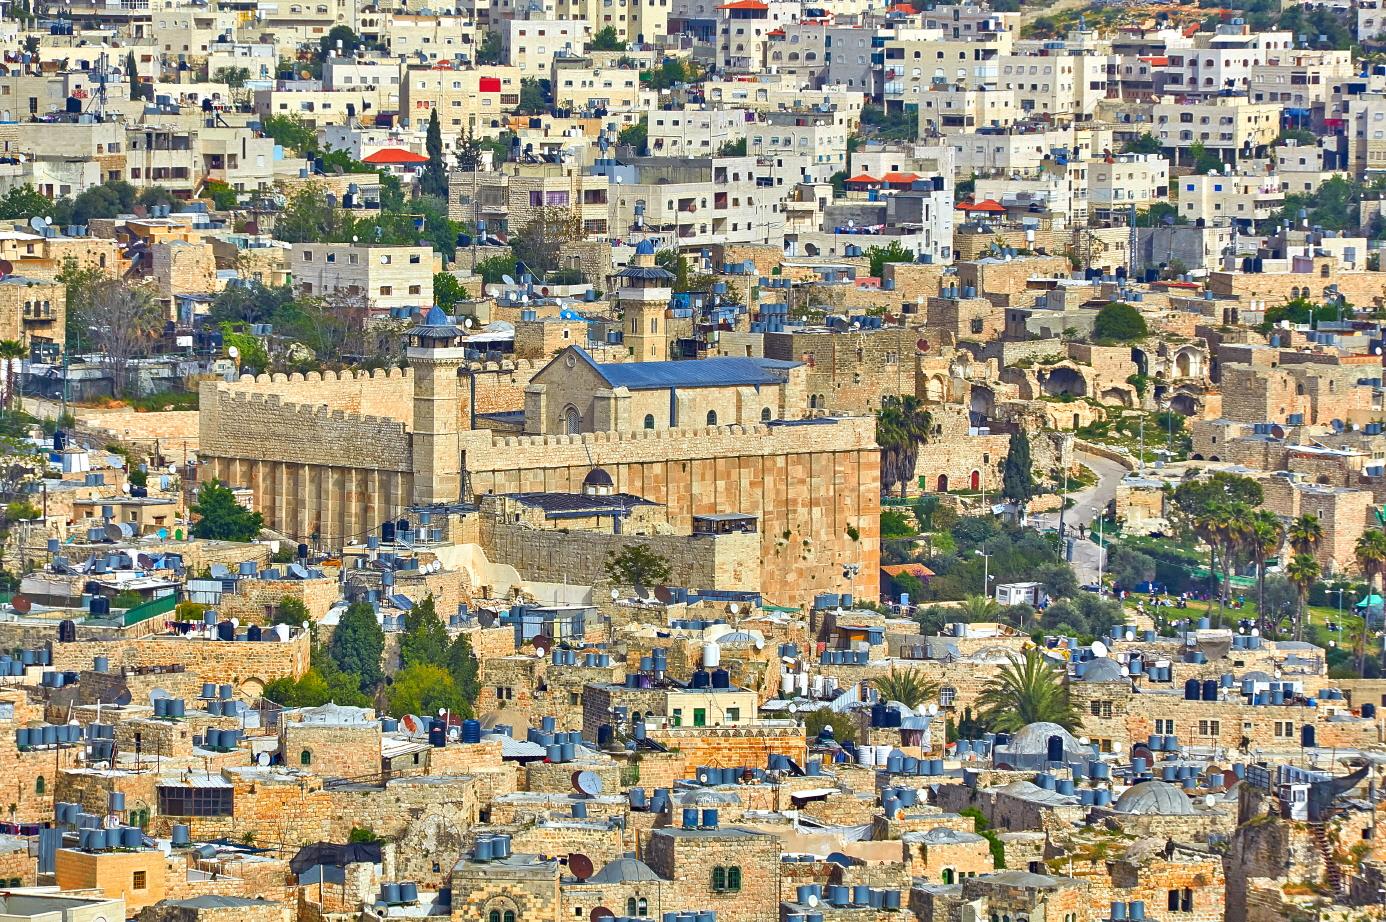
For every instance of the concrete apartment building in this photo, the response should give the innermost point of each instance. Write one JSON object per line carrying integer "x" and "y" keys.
{"x": 1223, "y": 60}
{"x": 946, "y": 108}
{"x": 1126, "y": 181}
{"x": 1220, "y": 199}
{"x": 588, "y": 86}
{"x": 804, "y": 146}
{"x": 237, "y": 157}
{"x": 693, "y": 132}
{"x": 694, "y": 202}
{"x": 531, "y": 45}
{"x": 378, "y": 277}
{"x": 1229, "y": 127}
{"x": 465, "y": 99}
{"x": 744, "y": 27}
{"x": 918, "y": 60}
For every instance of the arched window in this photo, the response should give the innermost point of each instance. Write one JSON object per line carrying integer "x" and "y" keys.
{"x": 733, "y": 879}
{"x": 765, "y": 415}
{"x": 40, "y": 786}
{"x": 509, "y": 915}
{"x": 726, "y": 880}
{"x": 719, "y": 879}
{"x": 572, "y": 421}
{"x": 630, "y": 906}
{"x": 305, "y": 757}
{"x": 495, "y": 916}
{"x": 712, "y": 417}
{"x": 642, "y": 907}
{"x": 947, "y": 875}
{"x": 649, "y": 420}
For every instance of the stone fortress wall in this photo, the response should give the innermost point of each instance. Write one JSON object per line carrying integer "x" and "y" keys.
{"x": 323, "y": 469}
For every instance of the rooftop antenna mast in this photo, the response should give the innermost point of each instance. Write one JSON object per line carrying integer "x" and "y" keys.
{"x": 97, "y": 106}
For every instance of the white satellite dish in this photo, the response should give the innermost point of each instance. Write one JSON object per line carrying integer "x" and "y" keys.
{"x": 233, "y": 352}
{"x": 172, "y": 468}
{"x": 1099, "y": 649}
{"x": 734, "y": 608}
{"x": 1116, "y": 746}
{"x": 615, "y": 594}
{"x": 1211, "y": 800}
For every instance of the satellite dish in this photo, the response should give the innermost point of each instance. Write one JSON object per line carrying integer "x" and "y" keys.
{"x": 734, "y": 608}
{"x": 812, "y": 900}
{"x": 1099, "y": 649}
{"x": 113, "y": 532}
{"x": 125, "y": 488}
{"x": 411, "y": 724}
{"x": 1210, "y": 801}
{"x": 543, "y": 643}
{"x": 172, "y": 468}
{"x": 123, "y": 698}
{"x": 933, "y": 710}
{"x": 601, "y": 912}
{"x": 38, "y": 224}
{"x": 233, "y": 352}
{"x": 580, "y": 865}
{"x": 263, "y": 759}
{"x": 588, "y": 783}
{"x": 615, "y": 594}
{"x": 163, "y": 534}
{"x": 922, "y": 345}
{"x": 21, "y": 604}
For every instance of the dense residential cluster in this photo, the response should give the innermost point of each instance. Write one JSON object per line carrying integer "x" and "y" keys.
{"x": 757, "y": 461}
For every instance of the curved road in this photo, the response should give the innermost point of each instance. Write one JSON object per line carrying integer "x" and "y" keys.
{"x": 1086, "y": 504}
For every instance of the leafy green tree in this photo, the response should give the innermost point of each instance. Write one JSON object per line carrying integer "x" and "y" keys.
{"x": 221, "y": 518}
{"x": 1027, "y": 692}
{"x": 1118, "y": 322}
{"x": 1128, "y": 567}
{"x": 1058, "y": 580}
{"x": 1147, "y": 143}
{"x": 910, "y": 687}
{"x": 341, "y": 39}
{"x": 735, "y": 148}
{"x": 223, "y": 197}
{"x": 893, "y": 252}
{"x": 493, "y": 269}
{"x": 234, "y": 77}
{"x": 24, "y": 202}
{"x": 358, "y": 644}
{"x": 843, "y": 729}
{"x": 637, "y": 566}
{"x": 447, "y": 291}
{"x": 425, "y": 639}
{"x": 606, "y": 39}
{"x": 902, "y": 425}
{"x": 425, "y": 689}
{"x": 290, "y": 611}
{"x": 1204, "y": 160}
{"x": 433, "y": 179}
{"x": 489, "y": 50}
{"x": 464, "y": 668}
{"x": 670, "y": 73}
{"x": 252, "y": 354}
{"x": 1017, "y": 481}
{"x": 539, "y": 243}
{"x": 362, "y": 835}
{"x": 291, "y": 133}
{"x": 636, "y": 135}
{"x": 533, "y": 99}
{"x": 983, "y": 829}
{"x": 13, "y": 352}
{"x": 253, "y": 302}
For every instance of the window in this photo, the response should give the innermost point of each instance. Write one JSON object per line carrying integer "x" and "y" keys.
{"x": 176, "y": 800}
{"x": 712, "y": 417}
{"x": 765, "y": 415}
{"x": 1285, "y": 729}
{"x": 305, "y": 757}
{"x": 505, "y": 693}
{"x": 386, "y": 290}
{"x": 139, "y": 880}
{"x": 1100, "y": 708}
{"x": 649, "y": 420}
{"x": 726, "y": 879}
{"x": 40, "y": 785}
{"x": 700, "y": 717}
{"x": 1181, "y": 900}
{"x": 678, "y": 717}
{"x": 1164, "y": 726}
{"x": 733, "y": 713}
{"x": 1209, "y": 727}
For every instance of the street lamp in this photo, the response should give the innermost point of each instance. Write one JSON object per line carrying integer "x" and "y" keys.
{"x": 986, "y": 570}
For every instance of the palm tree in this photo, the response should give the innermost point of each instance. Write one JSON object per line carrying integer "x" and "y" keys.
{"x": 1303, "y": 572}
{"x": 13, "y": 352}
{"x": 907, "y": 686}
{"x": 1264, "y": 538}
{"x": 1026, "y": 692}
{"x": 902, "y": 425}
{"x": 1305, "y": 533}
{"x": 1370, "y": 553}
{"x": 976, "y": 608}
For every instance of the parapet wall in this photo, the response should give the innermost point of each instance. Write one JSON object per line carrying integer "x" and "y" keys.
{"x": 383, "y": 392}
{"x": 264, "y": 427}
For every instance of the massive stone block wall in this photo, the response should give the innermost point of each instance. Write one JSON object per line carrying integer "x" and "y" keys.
{"x": 246, "y": 665}
{"x": 808, "y": 484}
{"x": 703, "y": 561}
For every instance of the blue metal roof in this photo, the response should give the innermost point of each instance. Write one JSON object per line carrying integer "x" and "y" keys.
{"x": 716, "y": 372}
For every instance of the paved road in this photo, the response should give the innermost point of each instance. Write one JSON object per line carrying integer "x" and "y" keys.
{"x": 1086, "y": 504}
